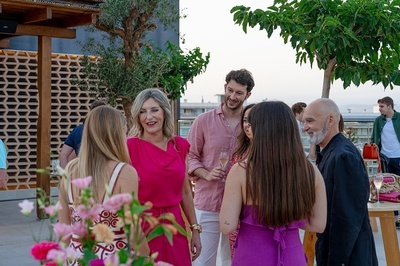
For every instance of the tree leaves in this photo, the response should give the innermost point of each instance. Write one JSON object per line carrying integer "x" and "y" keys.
{"x": 124, "y": 63}
{"x": 361, "y": 35}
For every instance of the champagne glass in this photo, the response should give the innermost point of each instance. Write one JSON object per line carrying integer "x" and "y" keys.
{"x": 378, "y": 180}
{"x": 223, "y": 159}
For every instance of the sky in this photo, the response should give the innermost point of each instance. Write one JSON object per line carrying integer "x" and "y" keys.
{"x": 209, "y": 25}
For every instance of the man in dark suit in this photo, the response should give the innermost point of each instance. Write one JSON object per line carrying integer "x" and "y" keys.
{"x": 348, "y": 238}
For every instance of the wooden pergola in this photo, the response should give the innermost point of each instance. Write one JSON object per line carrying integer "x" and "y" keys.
{"x": 46, "y": 20}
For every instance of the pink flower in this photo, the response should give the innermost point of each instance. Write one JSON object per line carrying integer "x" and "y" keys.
{"x": 112, "y": 260}
{"x": 52, "y": 210}
{"x": 79, "y": 229}
{"x": 82, "y": 182}
{"x": 39, "y": 251}
{"x": 117, "y": 201}
{"x": 62, "y": 231}
{"x": 72, "y": 253}
{"x": 26, "y": 207}
{"x": 86, "y": 213}
{"x": 56, "y": 255}
{"x": 96, "y": 262}
{"x": 50, "y": 263}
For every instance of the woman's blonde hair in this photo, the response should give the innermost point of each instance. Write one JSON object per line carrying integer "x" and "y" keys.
{"x": 162, "y": 100}
{"x": 103, "y": 140}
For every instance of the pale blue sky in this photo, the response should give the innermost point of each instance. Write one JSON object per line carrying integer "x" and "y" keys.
{"x": 209, "y": 25}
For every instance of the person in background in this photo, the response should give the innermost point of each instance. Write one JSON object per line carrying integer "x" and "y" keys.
{"x": 161, "y": 161}
{"x": 211, "y": 133}
{"x": 104, "y": 156}
{"x": 243, "y": 144}
{"x": 273, "y": 192}
{"x": 341, "y": 124}
{"x": 244, "y": 138}
{"x": 386, "y": 134}
{"x": 3, "y": 164}
{"x": 298, "y": 111}
{"x": 348, "y": 238}
{"x": 73, "y": 141}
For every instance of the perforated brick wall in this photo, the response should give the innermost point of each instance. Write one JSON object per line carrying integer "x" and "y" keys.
{"x": 19, "y": 109}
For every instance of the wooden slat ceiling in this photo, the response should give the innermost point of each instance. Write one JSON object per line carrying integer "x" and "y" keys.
{"x": 47, "y": 18}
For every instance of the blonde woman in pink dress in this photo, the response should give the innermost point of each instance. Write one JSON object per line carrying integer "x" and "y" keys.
{"x": 160, "y": 159}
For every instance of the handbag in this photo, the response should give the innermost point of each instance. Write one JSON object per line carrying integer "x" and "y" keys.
{"x": 390, "y": 189}
{"x": 371, "y": 152}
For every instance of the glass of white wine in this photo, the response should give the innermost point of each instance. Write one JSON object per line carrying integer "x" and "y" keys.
{"x": 223, "y": 159}
{"x": 378, "y": 180}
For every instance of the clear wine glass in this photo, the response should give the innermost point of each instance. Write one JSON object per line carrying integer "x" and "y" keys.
{"x": 378, "y": 180}
{"x": 223, "y": 159}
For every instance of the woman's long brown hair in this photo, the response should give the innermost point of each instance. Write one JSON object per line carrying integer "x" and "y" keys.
{"x": 242, "y": 142}
{"x": 280, "y": 181}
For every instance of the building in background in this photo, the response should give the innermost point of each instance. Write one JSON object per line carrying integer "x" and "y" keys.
{"x": 19, "y": 100}
{"x": 359, "y": 124}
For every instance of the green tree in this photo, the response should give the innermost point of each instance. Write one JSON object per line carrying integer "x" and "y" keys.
{"x": 124, "y": 62}
{"x": 354, "y": 40}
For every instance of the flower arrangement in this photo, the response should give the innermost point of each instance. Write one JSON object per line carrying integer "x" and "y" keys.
{"x": 350, "y": 134}
{"x": 131, "y": 214}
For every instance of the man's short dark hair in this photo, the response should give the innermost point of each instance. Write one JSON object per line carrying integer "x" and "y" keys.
{"x": 387, "y": 100}
{"x": 243, "y": 77}
{"x": 297, "y": 108}
{"x": 97, "y": 103}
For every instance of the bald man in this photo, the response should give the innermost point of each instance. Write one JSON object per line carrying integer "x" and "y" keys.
{"x": 348, "y": 238}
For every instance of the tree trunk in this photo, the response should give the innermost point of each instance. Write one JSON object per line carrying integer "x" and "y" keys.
{"x": 326, "y": 85}
{"x": 127, "y": 106}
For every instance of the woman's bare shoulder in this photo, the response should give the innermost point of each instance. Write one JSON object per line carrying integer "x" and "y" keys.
{"x": 128, "y": 172}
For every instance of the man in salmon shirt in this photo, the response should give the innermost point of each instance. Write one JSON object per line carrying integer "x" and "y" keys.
{"x": 212, "y": 133}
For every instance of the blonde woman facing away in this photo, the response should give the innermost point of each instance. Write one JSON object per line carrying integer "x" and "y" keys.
{"x": 104, "y": 156}
{"x": 161, "y": 161}
{"x": 273, "y": 193}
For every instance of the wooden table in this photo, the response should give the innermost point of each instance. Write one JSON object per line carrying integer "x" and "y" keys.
{"x": 309, "y": 240}
{"x": 384, "y": 211}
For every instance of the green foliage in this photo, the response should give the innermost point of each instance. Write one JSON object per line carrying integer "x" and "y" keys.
{"x": 362, "y": 36}
{"x": 107, "y": 76}
{"x": 130, "y": 64}
{"x": 117, "y": 12}
{"x": 182, "y": 68}
{"x": 350, "y": 134}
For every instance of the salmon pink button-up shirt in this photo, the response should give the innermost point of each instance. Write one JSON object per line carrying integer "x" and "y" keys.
{"x": 208, "y": 137}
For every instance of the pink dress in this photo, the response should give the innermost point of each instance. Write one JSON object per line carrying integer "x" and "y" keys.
{"x": 258, "y": 245}
{"x": 102, "y": 250}
{"x": 161, "y": 176}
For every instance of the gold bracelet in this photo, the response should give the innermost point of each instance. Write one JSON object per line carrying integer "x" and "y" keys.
{"x": 196, "y": 227}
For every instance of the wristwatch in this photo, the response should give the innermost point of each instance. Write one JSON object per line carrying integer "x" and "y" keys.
{"x": 196, "y": 227}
